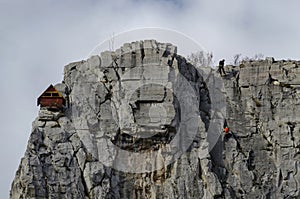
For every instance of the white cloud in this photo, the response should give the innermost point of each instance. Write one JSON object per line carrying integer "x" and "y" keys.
{"x": 39, "y": 37}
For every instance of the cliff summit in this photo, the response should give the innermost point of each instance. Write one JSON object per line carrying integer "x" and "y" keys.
{"x": 142, "y": 122}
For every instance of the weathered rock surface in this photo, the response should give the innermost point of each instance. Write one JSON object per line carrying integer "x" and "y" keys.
{"x": 262, "y": 158}
{"x": 141, "y": 122}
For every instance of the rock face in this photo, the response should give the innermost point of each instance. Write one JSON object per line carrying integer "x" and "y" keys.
{"x": 141, "y": 122}
{"x": 262, "y": 158}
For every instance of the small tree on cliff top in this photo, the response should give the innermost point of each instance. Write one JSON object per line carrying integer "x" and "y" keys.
{"x": 238, "y": 59}
{"x": 200, "y": 58}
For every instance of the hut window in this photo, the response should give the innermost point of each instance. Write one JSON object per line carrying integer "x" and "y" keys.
{"x": 47, "y": 94}
{"x": 55, "y": 95}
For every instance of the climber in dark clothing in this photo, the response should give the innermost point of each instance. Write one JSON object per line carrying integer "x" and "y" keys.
{"x": 221, "y": 67}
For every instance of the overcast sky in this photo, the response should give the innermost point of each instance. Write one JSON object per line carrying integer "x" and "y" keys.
{"x": 39, "y": 37}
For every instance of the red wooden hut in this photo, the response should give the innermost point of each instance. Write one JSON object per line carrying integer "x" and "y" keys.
{"x": 51, "y": 99}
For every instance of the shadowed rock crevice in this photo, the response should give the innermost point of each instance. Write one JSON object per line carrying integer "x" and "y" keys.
{"x": 201, "y": 90}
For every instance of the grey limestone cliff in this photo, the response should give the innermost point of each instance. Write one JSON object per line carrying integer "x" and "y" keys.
{"x": 142, "y": 122}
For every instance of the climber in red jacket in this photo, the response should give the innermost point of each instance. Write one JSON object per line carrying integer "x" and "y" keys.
{"x": 227, "y": 133}
{"x": 226, "y": 130}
